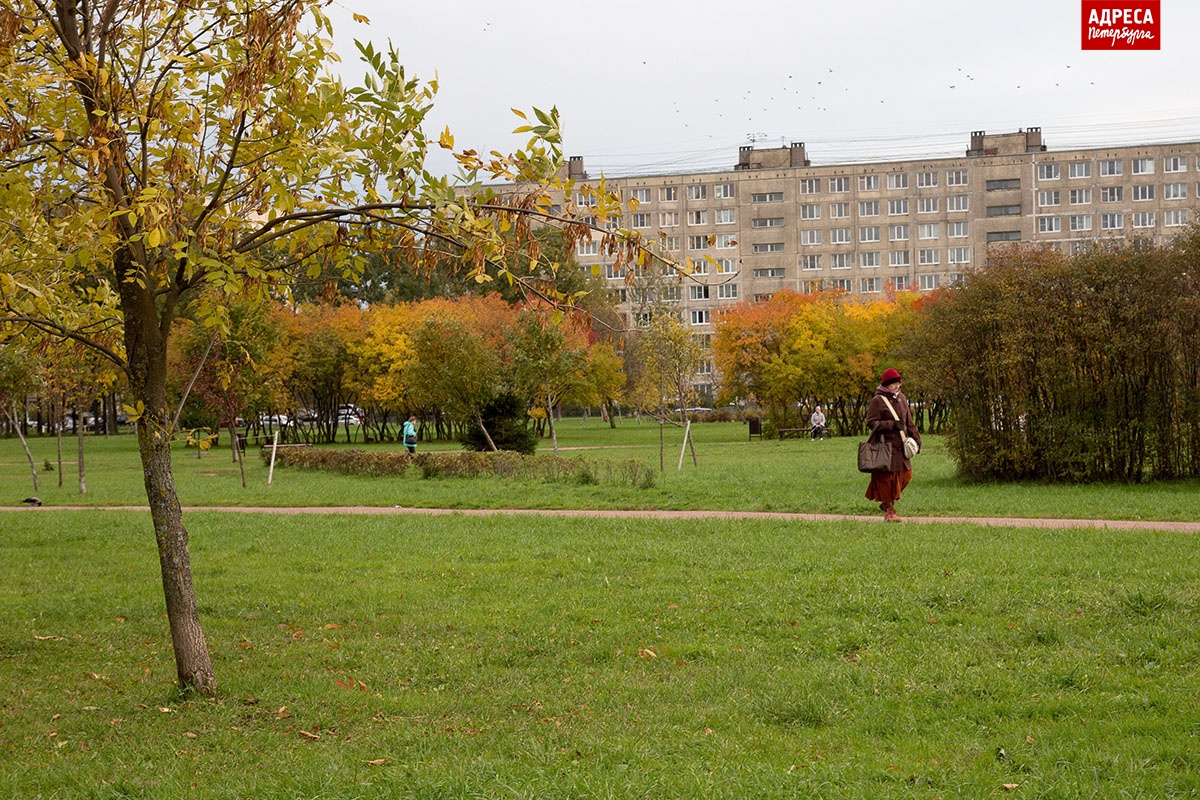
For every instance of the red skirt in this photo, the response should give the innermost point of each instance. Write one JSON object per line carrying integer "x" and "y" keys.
{"x": 885, "y": 487}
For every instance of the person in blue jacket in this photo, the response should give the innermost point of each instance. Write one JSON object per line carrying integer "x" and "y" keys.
{"x": 410, "y": 433}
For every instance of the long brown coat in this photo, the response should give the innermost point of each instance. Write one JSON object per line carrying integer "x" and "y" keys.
{"x": 884, "y": 426}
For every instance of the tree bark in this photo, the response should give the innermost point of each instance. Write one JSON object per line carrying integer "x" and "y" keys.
{"x": 147, "y": 326}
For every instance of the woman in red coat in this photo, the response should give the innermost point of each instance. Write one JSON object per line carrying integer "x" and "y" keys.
{"x": 885, "y": 487}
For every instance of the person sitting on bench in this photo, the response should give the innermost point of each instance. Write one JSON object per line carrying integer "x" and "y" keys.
{"x": 817, "y": 421}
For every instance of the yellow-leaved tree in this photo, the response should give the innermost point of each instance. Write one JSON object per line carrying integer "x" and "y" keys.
{"x": 157, "y": 157}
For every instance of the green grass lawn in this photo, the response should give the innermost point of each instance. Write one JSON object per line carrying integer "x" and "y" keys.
{"x": 732, "y": 474}
{"x": 448, "y": 657}
{"x": 484, "y": 657}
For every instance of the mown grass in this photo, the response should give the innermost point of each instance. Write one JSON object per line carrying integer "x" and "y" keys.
{"x": 451, "y": 657}
{"x": 732, "y": 474}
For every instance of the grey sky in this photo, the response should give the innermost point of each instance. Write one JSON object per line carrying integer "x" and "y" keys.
{"x": 666, "y": 85}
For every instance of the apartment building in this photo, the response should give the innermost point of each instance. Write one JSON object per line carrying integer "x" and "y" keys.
{"x": 775, "y": 221}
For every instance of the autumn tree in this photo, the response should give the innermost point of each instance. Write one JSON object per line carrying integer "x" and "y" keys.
{"x": 157, "y": 155}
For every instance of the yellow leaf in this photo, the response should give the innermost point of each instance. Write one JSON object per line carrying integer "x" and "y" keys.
{"x": 446, "y": 140}
{"x": 362, "y": 19}
{"x": 154, "y": 237}
{"x": 59, "y": 134}
{"x": 377, "y": 762}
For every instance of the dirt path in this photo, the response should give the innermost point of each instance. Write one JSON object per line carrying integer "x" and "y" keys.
{"x": 1005, "y": 522}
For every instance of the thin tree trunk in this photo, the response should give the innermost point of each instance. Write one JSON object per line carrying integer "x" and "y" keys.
{"x": 57, "y": 405}
{"x": 24, "y": 444}
{"x": 79, "y": 443}
{"x": 486, "y": 435}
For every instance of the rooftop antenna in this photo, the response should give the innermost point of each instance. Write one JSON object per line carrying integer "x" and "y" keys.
{"x": 754, "y": 137}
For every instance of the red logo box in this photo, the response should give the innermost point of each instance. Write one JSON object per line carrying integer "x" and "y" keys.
{"x": 1120, "y": 26}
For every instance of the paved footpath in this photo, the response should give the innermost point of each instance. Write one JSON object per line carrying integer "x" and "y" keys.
{"x": 1006, "y": 522}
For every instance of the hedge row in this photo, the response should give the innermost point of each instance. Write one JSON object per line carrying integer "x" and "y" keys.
{"x": 466, "y": 464}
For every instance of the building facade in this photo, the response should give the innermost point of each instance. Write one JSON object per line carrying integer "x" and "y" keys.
{"x": 776, "y": 221}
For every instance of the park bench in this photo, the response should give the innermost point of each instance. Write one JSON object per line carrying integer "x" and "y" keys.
{"x": 785, "y": 433}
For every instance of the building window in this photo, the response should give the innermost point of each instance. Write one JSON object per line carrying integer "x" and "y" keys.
{"x": 960, "y": 255}
{"x": 927, "y": 205}
{"x": 929, "y": 282}
{"x": 726, "y": 266}
{"x": 697, "y": 217}
{"x": 929, "y": 257}
{"x": 767, "y": 222}
{"x": 1049, "y": 224}
{"x": 726, "y": 241}
{"x": 842, "y": 260}
{"x": 1004, "y": 236}
{"x": 1174, "y": 164}
{"x": 766, "y": 197}
{"x": 670, "y": 243}
{"x": 868, "y": 233}
{"x": 697, "y": 243}
{"x": 1143, "y": 219}
{"x": 956, "y": 177}
{"x": 700, "y": 316}
{"x": 697, "y": 192}
{"x": 839, "y": 210}
{"x": 1080, "y": 197}
{"x": 868, "y": 183}
{"x": 870, "y": 285}
{"x": 839, "y": 184}
{"x": 1175, "y": 191}
{"x": 698, "y": 292}
{"x": 727, "y": 291}
{"x": 668, "y": 219}
{"x": 1110, "y": 167}
{"x": 899, "y": 258}
{"x": 869, "y": 208}
{"x": 770, "y": 247}
{"x": 1112, "y": 222}
{"x": 926, "y": 179}
{"x": 810, "y": 263}
{"x": 958, "y": 202}
{"x": 585, "y": 200}
{"x": 1111, "y": 194}
{"x": 957, "y": 230}
{"x": 639, "y": 220}
{"x": 1143, "y": 166}
{"x": 810, "y": 237}
{"x": 641, "y": 195}
{"x": 726, "y": 216}
{"x": 839, "y": 236}
{"x": 897, "y": 207}
{"x": 1003, "y": 211}
{"x": 1048, "y": 172}
{"x": 668, "y": 193}
{"x": 724, "y": 191}
{"x": 1079, "y": 169}
{"x": 1052, "y": 198}
{"x": 844, "y": 284}
{"x": 772, "y": 272}
{"x": 810, "y": 211}
{"x": 1004, "y": 184}
{"x": 930, "y": 230}
{"x": 898, "y": 180}
{"x": 588, "y": 249}
{"x": 810, "y": 185}
{"x": 898, "y": 233}
{"x": 1080, "y": 222}
{"x": 613, "y": 272}
{"x": 900, "y": 282}
{"x": 1143, "y": 193}
{"x": 1174, "y": 219}
{"x": 868, "y": 259}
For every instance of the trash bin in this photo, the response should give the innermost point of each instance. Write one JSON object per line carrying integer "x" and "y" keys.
{"x": 755, "y": 427}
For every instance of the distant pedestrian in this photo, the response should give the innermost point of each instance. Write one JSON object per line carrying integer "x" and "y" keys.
{"x": 410, "y": 434}
{"x": 817, "y": 423}
{"x": 888, "y": 417}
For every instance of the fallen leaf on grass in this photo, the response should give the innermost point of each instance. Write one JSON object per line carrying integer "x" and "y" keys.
{"x": 1008, "y": 787}
{"x": 377, "y": 762}
{"x": 310, "y": 736}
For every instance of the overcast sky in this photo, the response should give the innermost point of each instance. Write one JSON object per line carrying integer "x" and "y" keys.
{"x": 665, "y": 85}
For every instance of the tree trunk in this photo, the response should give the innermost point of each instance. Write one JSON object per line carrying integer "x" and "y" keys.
{"x": 79, "y": 451}
{"x": 21, "y": 435}
{"x": 146, "y": 337}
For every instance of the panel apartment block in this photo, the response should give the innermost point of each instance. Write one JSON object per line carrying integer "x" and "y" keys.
{"x": 775, "y": 221}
